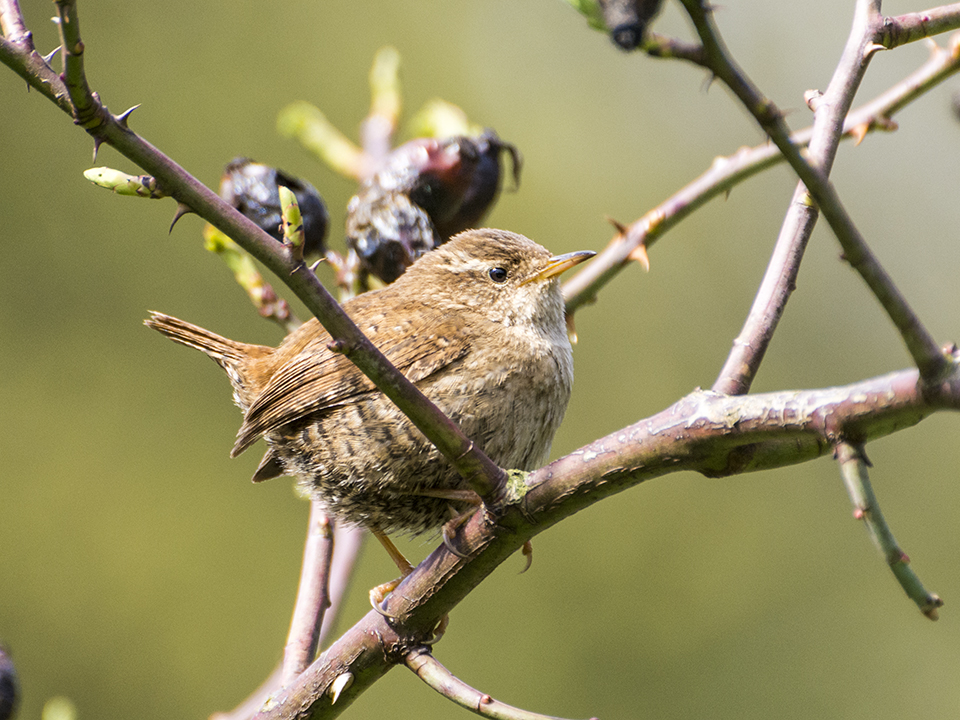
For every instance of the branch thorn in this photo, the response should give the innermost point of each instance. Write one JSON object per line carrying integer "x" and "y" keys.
{"x": 97, "y": 142}
{"x": 339, "y": 684}
{"x": 872, "y": 48}
{"x": 812, "y": 98}
{"x": 859, "y": 132}
{"x": 123, "y": 117}
{"x": 527, "y": 551}
{"x": 639, "y": 254}
{"x": 620, "y": 227}
{"x": 182, "y": 209}
{"x": 51, "y": 55}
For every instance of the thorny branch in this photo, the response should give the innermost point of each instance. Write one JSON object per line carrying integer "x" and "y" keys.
{"x": 711, "y": 433}
{"x": 313, "y": 596}
{"x": 781, "y": 276}
{"x": 727, "y": 172}
{"x": 434, "y": 674}
{"x": 853, "y": 468}
{"x": 921, "y": 345}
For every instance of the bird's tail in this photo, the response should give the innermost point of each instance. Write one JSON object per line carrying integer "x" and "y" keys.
{"x": 228, "y": 354}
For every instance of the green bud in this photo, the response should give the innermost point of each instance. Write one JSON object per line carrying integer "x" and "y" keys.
{"x": 123, "y": 184}
{"x": 439, "y": 118}
{"x": 291, "y": 219}
{"x": 385, "y": 84}
{"x": 310, "y": 127}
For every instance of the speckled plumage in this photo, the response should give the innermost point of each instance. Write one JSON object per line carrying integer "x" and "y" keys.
{"x": 494, "y": 356}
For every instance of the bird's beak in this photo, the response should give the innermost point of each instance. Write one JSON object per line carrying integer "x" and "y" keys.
{"x": 560, "y": 263}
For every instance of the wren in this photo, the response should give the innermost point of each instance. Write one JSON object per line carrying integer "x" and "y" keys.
{"x": 477, "y": 324}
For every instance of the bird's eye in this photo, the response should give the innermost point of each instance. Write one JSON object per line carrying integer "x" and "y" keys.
{"x": 498, "y": 274}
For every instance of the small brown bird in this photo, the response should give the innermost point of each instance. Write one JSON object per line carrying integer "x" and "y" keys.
{"x": 477, "y": 324}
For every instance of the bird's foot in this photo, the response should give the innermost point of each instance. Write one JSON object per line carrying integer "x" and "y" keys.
{"x": 379, "y": 593}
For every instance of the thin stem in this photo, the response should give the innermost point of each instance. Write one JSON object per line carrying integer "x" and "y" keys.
{"x": 328, "y": 561}
{"x": 727, "y": 172}
{"x": 662, "y": 46}
{"x": 12, "y": 25}
{"x": 853, "y": 468}
{"x": 920, "y": 344}
{"x": 348, "y": 542}
{"x": 437, "y": 677}
{"x": 902, "y": 29}
{"x": 779, "y": 282}
{"x": 715, "y": 435}
{"x": 313, "y": 596}
{"x": 88, "y": 112}
{"x": 780, "y": 278}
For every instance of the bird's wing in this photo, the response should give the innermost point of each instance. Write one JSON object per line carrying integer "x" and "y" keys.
{"x": 316, "y": 378}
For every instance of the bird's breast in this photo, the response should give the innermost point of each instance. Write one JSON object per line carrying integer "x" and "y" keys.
{"x": 511, "y": 400}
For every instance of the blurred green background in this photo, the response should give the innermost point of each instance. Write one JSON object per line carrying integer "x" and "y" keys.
{"x": 143, "y": 575}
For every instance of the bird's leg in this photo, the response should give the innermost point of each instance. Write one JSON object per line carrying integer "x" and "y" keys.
{"x": 380, "y": 592}
{"x": 467, "y": 496}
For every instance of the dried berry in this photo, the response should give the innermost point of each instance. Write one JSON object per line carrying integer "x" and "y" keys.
{"x": 485, "y": 184}
{"x": 427, "y": 190}
{"x": 627, "y": 20}
{"x": 252, "y": 188}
